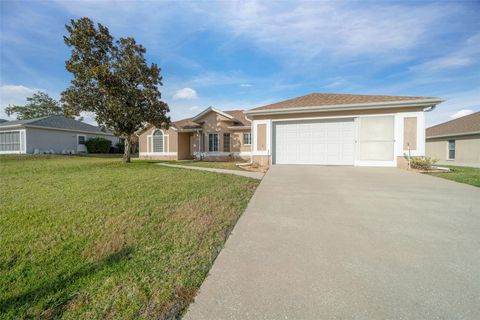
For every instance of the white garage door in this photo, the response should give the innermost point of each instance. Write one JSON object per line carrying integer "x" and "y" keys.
{"x": 325, "y": 142}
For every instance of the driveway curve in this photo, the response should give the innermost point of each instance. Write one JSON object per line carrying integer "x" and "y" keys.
{"x": 349, "y": 243}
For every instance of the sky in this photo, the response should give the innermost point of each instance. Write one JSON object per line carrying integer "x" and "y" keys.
{"x": 241, "y": 55}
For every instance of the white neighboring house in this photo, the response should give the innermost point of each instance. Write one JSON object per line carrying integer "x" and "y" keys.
{"x": 49, "y": 134}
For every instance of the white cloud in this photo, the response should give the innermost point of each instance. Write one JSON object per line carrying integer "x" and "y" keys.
{"x": 461, "y": 113}
{"x": 246, "y": 85}
{"x": 341, "y": 28}
{"x": 185, "y": 94}
{"x": 194, "y": 108}
{"x": 14, "y": 94}
{"x": 465, "y": 55}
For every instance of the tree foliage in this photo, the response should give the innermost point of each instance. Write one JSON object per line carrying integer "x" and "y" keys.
{"x": 38, "y": 105}
{"x": 113, "y": 80}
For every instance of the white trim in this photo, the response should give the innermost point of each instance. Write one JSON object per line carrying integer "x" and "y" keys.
{"x": 166, "y": 141}
{"x": 387, "y": 163}
{"x": 355, "y": 106}
{"x": 268, "y": 138}
{"x": 243, "y": 138}
{"x": 399, "y": 133}
{"x": 82, "y": 147}
{"x": 157, "y": 154}
{"x": 240, "y": 127}
{"x": 218, "y": 142}
{"x": 454, "y": 135}
{"x": 226, "y": 115}
{"x": 23, "y": 142}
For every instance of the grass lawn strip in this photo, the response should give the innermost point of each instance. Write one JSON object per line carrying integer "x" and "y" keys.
{"x": 86, "y": 237}
{"x": 466, "y": 175}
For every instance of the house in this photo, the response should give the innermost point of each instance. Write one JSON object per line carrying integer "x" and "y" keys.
{"x": 210, "y": 135}
{"x": 51, "y": 134}
{"x": 318, "y": 128}
{"x": 455, "y": 142}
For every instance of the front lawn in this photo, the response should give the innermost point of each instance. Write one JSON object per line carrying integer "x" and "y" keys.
{"x": 90, "y": 238}
{"x": 466, "y": 175}
{"x": 207, "y": 164}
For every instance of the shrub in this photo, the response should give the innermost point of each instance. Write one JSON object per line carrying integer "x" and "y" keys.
{"x": 121, "y": 146}
{"x": 98, "y": 145}
{"x": 421, "y": 163}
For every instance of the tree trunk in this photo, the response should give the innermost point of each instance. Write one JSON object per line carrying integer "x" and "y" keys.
{"x": 127, "y": 151}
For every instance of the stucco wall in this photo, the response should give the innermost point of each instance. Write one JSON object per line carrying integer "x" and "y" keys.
{"x": 410, "y": 133}
{"x": 44, "y": 139}
{"x": 467, "y": 150}
{"x": 172, "y": 139}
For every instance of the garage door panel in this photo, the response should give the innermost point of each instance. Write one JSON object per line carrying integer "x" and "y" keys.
{"x": 330, "y": 142}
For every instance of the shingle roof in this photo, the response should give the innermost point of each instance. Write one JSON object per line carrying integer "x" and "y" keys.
{"x": 58, "y": 122}
{"x": 238, "y": 116}
{"x": 466, "y": 124}
{"x": 329, "y": 99}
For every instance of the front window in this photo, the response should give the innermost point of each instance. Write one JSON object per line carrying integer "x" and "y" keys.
{"x": 226, "y": 142}
{"x": 10, "y": 141}
{"x": 247, "y": 138}
{"x": 82, "y": 139}
{"x": 158, "y": 141}
{"x": 451, "y": 149}
{"x": 213, "y": 142}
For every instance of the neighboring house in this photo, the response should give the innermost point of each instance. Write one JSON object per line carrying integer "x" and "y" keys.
{"x": 210, "y": 135}
{"x": 48, "y": 134}
{"x": 3, "y": 120}
{"x": 324, "y": 129}
{"x": 456, "y": 142}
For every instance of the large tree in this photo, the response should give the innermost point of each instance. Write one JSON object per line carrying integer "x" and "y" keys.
{"x": 38, "y": 105}
{"x": 113, "y": 80}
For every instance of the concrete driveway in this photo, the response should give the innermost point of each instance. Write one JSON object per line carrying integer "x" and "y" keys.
{"x": 349, "y": 243}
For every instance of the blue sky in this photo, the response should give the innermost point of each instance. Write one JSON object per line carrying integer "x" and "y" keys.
{"x": 245, "y": 54}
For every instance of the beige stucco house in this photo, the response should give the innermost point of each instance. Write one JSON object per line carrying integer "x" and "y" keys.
{"x": 324, "y": 129}
{"x": 210, "y": 135}
{"x": 455, "y": 142}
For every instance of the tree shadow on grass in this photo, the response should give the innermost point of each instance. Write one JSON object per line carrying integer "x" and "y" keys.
{"x": 62, "y": 286}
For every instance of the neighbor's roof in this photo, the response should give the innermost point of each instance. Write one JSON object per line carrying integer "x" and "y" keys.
{"x": 54, "y": 122}
{"x": 334, "y": 99}
{"x": 237, "y": 115}
{"x": 3, "y": 120}
{"x": 464, "y": 125}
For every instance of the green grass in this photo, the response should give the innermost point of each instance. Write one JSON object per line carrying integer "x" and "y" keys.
{"x": 466, "y": 175}
{"x": 90, "y": 238}
{"x": 207, "y": 164}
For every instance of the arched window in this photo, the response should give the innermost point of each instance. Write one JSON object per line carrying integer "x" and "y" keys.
{"x": 158, "y": 141}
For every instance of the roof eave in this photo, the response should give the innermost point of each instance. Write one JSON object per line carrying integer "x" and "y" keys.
{"x": 239, "y": 127}
{"x": 458, "y": 134}
{"x": 204, "y": 112}
{"x": 356, "y": 106}
{"x": 12, "y": 126}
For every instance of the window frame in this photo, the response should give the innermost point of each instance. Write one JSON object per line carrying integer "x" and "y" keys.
{"x": 226, "y": 138}
{"x": 249, "y": 140}
{"x": 12, "y": 132}
{"x": 84, "y": 139}
{"x": 450, "y": 149}
{"x": 162, "y": 135}
{"x": 213, "y": 134}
